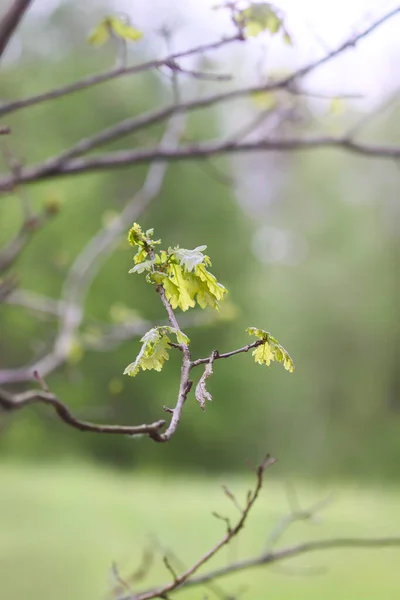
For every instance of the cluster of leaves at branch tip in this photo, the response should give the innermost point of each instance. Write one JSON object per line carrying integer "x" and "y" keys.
{"x": 256, "y": 18}
{"x": 181, "y": 272}
{"x": 183, "y": 276}
{"x": 270, "y": 350}
{"x": 114, "y": 26}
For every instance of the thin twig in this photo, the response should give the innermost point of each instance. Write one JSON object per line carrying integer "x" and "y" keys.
{"x": 116, "y": 160}
{"x": 186, "y": 576}
{"x": 269, "y": 558}
{"x": 63, "y": 164}
{"x": 93, "y": 80}
{"x": 217, "y": 355}
{"x": 12, "y": 402}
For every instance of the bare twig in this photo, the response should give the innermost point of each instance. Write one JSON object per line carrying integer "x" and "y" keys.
{"x": 12, "y": 402}
{"x": 217, "y": 355}
{"x": 181, "y": 580}
{"x": 93, "y": 80}
{"x": 296, "y": 515}
{"x": 10, "y": 21}
{"x": 268, "y": 558}
{"x": 116, "y": 160}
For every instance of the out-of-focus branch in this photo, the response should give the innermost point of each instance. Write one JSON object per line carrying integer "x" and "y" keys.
{"x": 12, "y": 402}
{"x": 10, "y": 21}
{"x": 36, "y": 302}
{"x": 180, "y": 581}
{"x": 269, "y": 558}
{"x": 87, "y": 265}
{"x": 92, "y": 80}
{"x": 11, "y": 253}
{"x": 65, "y": 165}
{"x": 116, "y": 160}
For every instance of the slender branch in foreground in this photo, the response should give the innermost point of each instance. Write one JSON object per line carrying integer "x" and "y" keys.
{"x": 183, "y": 579}
{"x": 12, "y": 402}
{"x": 10, "y": 22}
{"x": 93, "y": 80}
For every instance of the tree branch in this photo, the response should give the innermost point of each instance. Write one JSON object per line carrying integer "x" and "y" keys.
{"x": 269, "y": 558}
{"x": 182, "y": 580}
{"x": 116, "y": 160}
{"x": 217, "y": 355}
{"x": 10, "y": 22}
{"x": 93, "y": 80}
{"x": 63, "y": 163}
{"x": 12, "y": 402}
{"x": 185, "y": 384}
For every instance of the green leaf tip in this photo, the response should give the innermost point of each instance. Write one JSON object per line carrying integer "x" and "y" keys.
{"x": 113, "y": 26}
{"x": 154, "y": 350}
{"x": 270, "y": 350}
{"x": 259, "y": 17}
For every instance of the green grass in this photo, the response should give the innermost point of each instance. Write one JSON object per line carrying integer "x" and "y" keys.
{"x": 62, "y": 527}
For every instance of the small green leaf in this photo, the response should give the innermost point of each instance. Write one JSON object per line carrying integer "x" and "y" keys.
{"x": 259, "y": 17}
{"x": 189, "y": 258}
{"x": 176, "y": 288}
{"x": 270, "y": 349}
{"x": 136, "y": 236}
{"x": 140, "y": 256}
{"x": 101, "y": 33}
{"x": 152, "y": 355}
{"x": 112, "y": 25}
{"x": 181, "y": 337}
{"x": 154, "y": 350}
{"x": 263, "y": 354}
{"x": 125, "y": 30}
{"x": 143, "y": 266}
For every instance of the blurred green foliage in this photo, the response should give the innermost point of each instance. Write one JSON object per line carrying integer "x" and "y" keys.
{"x": 335, "y": 308}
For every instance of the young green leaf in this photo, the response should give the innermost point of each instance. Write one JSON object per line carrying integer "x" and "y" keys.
{"x": 125, "y": 31}
{"x": 270, "y": 350}
{"x": 259, "y": 17}
{"x": 154, "y": 350}
{"x": 181, "y": 337}
{"x": 182, "y": 273}
{"x": 177, "y": 288}
{"x": 188, "y": 258}
{"x": 146, "y": 265}
{"x": 110, "y": 26}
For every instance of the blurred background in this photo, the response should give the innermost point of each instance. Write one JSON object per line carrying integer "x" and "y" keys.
{"x": 307, "y": 245}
